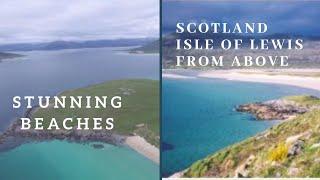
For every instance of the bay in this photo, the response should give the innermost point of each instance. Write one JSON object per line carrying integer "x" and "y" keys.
{"x": 199, "y": 117}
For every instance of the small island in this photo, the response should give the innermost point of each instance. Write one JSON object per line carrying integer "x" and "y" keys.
{"x": 288, "y": 149}
{"x": 8, "y": 56}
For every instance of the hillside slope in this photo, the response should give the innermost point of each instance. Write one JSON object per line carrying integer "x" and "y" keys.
{"x": 289, "y": 149}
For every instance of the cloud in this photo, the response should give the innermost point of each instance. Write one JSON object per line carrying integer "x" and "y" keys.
{"x": 48, "y": 20}
{"x": 282, "y": 17}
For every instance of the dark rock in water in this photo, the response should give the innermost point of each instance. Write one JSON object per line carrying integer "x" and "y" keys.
{"x": 98, "y": 146}
{"x": 166, "y": 146}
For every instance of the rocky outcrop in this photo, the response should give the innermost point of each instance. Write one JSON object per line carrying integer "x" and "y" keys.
{"x": 242, "y": 170}
{"x": 84, "y": 136}
{"x": 273, "y": 110}
{"x": 98, "y": 146}
{"x": 295, "y": 138}
{"x": 295, "y": 148}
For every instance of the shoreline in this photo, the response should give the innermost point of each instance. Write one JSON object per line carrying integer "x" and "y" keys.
{"x": 13, "y": 132}
{"x": 136, "y": 143}
{"x": 297, "y": 77}
{"x": 279, "y": 76}
{"x": 284, "y": 106}
{"x": 140, "y": 145}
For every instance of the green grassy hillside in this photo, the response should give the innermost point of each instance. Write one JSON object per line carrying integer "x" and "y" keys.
{"x": 304, "y": 100}
{"x": 289, "y": 149}
{"x": 139, "y": 113}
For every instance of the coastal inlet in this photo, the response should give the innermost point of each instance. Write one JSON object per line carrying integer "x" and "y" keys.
{"x": 211, "y": 103}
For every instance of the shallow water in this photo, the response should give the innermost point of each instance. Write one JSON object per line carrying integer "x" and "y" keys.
{"x": 64, "y": 160}
{"x": 199, "y": 116}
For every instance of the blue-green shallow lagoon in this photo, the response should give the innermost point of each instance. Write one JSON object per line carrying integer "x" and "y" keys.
{"x": 64, "y": 160}
{"x": 198, "y": 117}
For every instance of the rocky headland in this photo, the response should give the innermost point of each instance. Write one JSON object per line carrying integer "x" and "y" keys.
{"x": 15, "y": 131}
{"x": 84, "y": 136}
{"x": 139, "y": 134}
{"x": 280, "y": 109}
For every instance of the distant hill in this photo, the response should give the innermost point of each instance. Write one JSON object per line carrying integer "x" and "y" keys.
{"x": 8, "y": 55}
{"x": 308, "y": 58}
{"x": 58, "y": 45}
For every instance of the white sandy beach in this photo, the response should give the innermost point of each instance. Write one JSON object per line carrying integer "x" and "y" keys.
{"x": 295, "y": 77}
{"x": 140, "y": 145}
{"x": 177, "y": 76}
{"x": 264, "y": 77}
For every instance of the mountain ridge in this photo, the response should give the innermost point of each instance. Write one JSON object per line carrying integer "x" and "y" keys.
{"x": 61, "y": 44}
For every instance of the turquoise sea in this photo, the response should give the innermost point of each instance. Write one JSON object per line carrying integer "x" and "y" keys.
{"x": 64, "y": 160}
{"x": 198, "y": 117}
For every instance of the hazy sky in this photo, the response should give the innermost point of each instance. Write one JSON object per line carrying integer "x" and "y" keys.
{"x": 48, "y": 20}
{"x": 282, "y": 17}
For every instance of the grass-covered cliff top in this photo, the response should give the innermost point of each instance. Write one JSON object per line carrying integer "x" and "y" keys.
{"x": 139, "y": 113}
{"x": 304, "y": 100}
{"x": 289, "y": 149}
